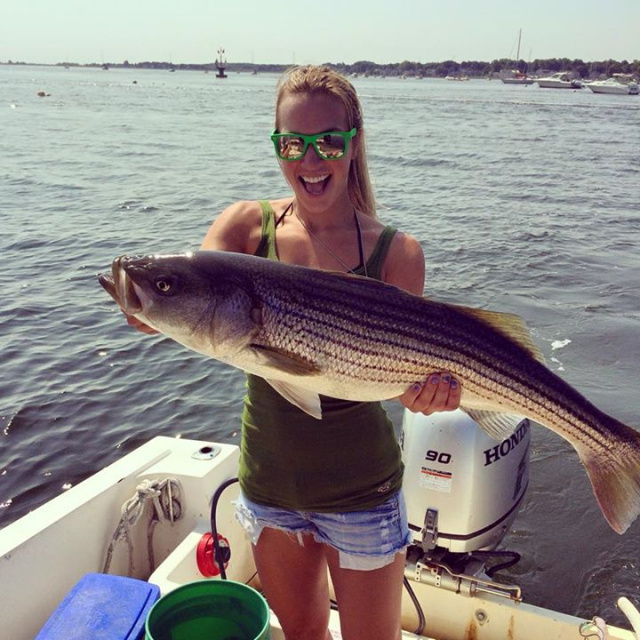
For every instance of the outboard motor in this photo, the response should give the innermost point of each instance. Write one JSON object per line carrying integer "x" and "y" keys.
{"x": 463, "y": 490}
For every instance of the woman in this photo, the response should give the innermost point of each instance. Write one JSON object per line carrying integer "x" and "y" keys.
{"x": 310, "y": 496}
{"x": 326, "y": 494}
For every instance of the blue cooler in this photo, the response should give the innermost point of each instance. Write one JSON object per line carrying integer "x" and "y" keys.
{"x": 102, "y": 607}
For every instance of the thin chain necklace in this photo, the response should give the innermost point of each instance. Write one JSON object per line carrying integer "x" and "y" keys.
{"x": 313, "y": 236}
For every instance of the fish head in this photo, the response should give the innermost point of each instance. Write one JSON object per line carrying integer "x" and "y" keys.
{"x": 192, "y": 298}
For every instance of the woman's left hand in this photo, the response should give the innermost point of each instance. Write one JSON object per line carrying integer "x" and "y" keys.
{"x": 440, "y": 392}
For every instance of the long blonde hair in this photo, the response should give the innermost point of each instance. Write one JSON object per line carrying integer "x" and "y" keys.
{"x": 322, "y": 79}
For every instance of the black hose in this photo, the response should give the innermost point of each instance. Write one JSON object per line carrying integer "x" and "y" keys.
{"x": 416, "y": 603}
{"x": 513, "y": 558}
{"x": 219, "y": 555}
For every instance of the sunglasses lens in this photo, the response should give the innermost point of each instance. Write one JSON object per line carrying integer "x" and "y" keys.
{"x": 290, "y": 147}
{"x": 331, "y": 146}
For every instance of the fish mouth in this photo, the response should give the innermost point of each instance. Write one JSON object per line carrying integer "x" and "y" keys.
{"x": 120, "y": 286}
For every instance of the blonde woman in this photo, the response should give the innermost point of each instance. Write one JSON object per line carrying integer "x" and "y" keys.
{"x": 320, "y": 495}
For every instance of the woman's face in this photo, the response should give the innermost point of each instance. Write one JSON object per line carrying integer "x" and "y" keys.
{"x": 318, "y": 184}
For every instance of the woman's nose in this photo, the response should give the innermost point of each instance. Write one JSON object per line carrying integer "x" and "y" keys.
{"x": 311, "y": 156}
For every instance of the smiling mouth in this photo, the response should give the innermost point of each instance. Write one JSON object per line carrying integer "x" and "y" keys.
{"x": 315, "y": 185}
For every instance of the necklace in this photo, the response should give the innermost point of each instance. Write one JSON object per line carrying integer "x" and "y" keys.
{"x": 313, "y": 236}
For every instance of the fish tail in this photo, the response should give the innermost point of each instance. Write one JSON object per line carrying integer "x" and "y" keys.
{"x": 614, "y": 473}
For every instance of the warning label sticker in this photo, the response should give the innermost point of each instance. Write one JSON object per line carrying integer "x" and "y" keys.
{"x": 436, "y": 479}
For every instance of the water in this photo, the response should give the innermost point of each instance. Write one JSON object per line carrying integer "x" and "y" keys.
{"x": 525, "y": 200}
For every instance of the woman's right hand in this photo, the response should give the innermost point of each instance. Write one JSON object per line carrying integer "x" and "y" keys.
{"x": 132, "y": 321}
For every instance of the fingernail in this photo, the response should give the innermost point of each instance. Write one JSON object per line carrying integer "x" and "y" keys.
{"x": 435, "y": 379}
{"x": 446, "y": 378}
{"x": 417, "y": 387}
{"x": 454, "y": 384}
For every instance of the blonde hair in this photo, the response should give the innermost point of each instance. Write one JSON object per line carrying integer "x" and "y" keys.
{"x": 322, "y": 79}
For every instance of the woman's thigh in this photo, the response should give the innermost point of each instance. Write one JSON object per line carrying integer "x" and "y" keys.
{"x": 293, "y": 574}
{"x": 369, "y": 602}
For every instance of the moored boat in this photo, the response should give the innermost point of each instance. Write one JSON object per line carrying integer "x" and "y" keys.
{"x": 619, "y": 84}
{"x": 153, "y": 515}
{"x": 560, "y": 80}
{"x": 516, "y": 76}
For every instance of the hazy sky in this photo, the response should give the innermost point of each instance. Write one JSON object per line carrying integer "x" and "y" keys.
{"x": 279, "y": 31}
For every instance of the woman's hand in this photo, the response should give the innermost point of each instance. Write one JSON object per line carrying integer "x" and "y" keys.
{"x": 132, "y": 321}
{"x": 440, "y": 392}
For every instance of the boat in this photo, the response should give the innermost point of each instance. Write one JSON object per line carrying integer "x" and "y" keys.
{"x": 560, "y": 80}
{"x": 163, "y": 514}
{"x": 516, "y": 76}
{"x": 619, "y": 83}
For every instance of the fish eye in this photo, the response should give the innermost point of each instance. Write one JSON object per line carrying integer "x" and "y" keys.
{"x": 164, "y": 284}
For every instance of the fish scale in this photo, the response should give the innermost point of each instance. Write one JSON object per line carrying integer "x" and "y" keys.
{"x": 310, "y": 332}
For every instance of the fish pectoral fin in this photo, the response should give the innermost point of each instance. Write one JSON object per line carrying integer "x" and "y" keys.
{"x": 498, "y": 426}
{"x": 306, "y": 400}
{"x": 284, "y": 362}
{"x": 510, "y": 325}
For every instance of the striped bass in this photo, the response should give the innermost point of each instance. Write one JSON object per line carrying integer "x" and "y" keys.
{"x": 310, "y": 332}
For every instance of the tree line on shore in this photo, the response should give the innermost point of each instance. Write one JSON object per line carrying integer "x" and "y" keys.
{"x": 496, "y": 68}
{"x": 578, "y": 68}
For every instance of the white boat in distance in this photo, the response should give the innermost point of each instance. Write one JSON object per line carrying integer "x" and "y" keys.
{"x": 619, "y": 83}
{"x": 153, "y": 516}
{"x": 517, "y": 76}
{"x": 560, "y": 80}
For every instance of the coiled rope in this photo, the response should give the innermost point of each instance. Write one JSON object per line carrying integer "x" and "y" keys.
{"x": 165, "y": 498}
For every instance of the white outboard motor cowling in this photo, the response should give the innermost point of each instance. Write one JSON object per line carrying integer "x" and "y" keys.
{"x": 462, "y": 488}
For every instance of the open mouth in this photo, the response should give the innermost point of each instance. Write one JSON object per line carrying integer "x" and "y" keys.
{"x": 315, "y": 185}
{"x": 121, "y": 288}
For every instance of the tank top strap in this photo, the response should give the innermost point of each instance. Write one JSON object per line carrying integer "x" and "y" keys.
{"x": 267, "y": 245}
{"x": 379, "y": 254}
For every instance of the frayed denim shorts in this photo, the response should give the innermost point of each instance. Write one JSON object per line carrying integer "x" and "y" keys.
{"x": 365, "y": 540}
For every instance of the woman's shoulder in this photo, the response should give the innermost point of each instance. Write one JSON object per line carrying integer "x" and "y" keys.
{"x": 404, "y": 266}
{"x": 238, "y": 227}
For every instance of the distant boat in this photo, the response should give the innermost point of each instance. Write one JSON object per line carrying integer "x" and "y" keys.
{"x": 517, "y": 76}
{"x": 560, "y": 80}
{"x": 619, "y": 83}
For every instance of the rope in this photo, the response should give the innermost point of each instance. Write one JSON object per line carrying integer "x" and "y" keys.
{"x": 164, "y": 496}
{"x": 595, "y": 628}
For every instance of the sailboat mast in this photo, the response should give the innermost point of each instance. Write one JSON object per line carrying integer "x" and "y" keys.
{"x": 518, "y": 53}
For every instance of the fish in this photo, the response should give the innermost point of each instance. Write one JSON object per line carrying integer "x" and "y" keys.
{"x": 310, "y": 332}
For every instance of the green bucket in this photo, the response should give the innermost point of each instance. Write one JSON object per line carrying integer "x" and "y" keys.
{"x": 209, "y": 610}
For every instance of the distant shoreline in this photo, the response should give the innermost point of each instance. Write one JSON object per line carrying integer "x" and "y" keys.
{"x": 472, "y": 69}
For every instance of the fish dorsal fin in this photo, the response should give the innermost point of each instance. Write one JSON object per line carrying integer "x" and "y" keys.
{"x": 283, "y": 362}
{"x": 306, "y": 400}
{"x": 510, "y": 325}
{"x": 498, "y": 426}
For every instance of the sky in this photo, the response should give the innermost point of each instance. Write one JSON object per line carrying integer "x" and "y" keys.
{"x": 311, "y": 32}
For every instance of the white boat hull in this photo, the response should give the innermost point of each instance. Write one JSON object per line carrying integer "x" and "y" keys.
{"x": 46, "y": 552}
{"x": 613, "y": 88}
{"x": 559, "y": 81}
{"x": 524, "y": 81}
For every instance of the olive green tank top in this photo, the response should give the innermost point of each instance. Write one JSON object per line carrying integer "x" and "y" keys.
{"x": 348, "y": 461}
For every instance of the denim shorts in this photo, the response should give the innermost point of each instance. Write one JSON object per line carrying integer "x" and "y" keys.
{"x": 365, "y": 540}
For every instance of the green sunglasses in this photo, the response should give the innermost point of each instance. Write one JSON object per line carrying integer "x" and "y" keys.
{"x": 330, "y": 145}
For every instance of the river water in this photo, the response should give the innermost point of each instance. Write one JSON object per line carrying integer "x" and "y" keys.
{"x": 525, "y": 200}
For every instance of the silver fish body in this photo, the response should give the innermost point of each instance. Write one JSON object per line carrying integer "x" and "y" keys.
{"x": 310, "y": 332}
